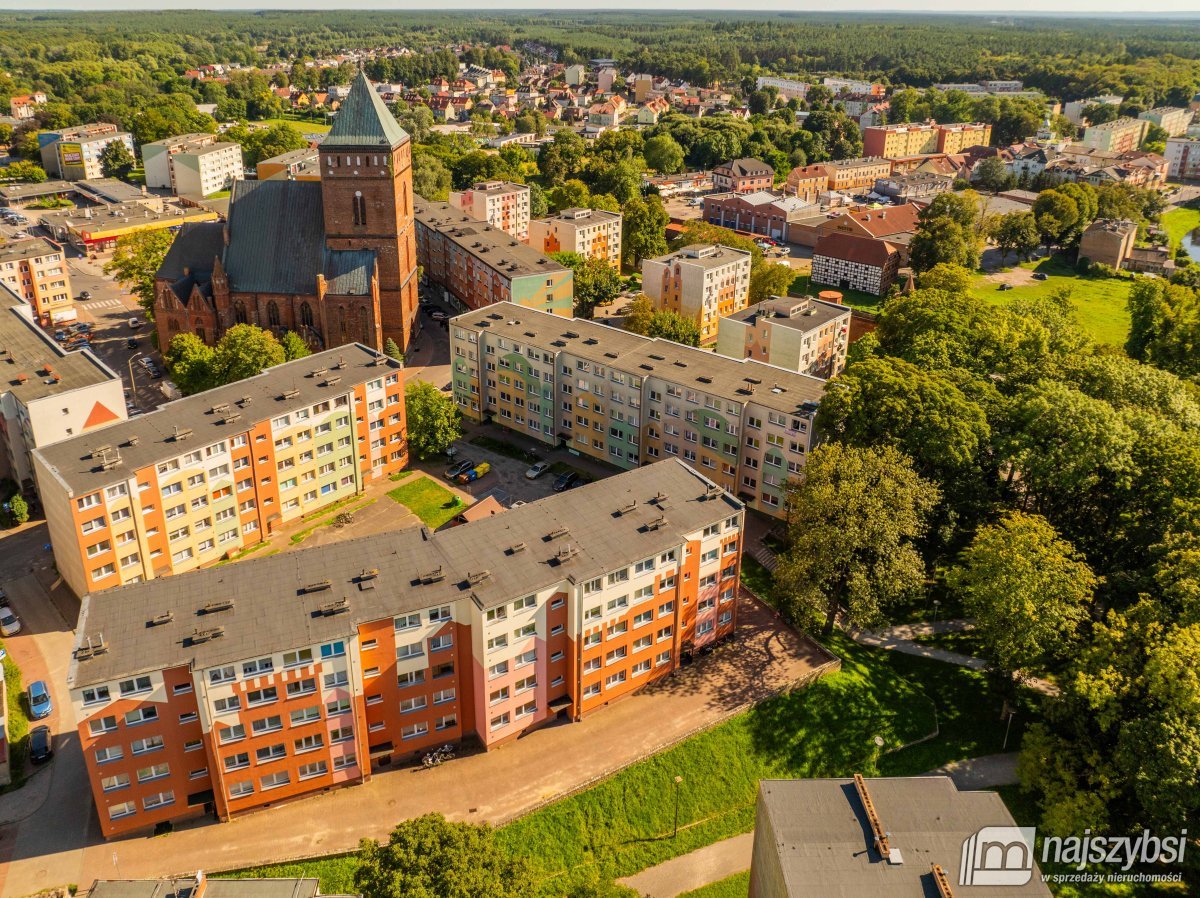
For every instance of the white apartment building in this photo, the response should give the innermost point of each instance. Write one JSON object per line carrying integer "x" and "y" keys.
{"x": 592, "y": 233}
{"x": 502, "y": 204}
{"x": 788, "y": 88}
{"x": 701, "y": 282}
{"x": 1183, "y": 157}
{"x": 193, "y": 164}
{"x": 1172, "y": 119}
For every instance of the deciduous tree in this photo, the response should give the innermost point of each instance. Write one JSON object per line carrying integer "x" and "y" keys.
{"x": 136, "y": 259}
{"x": 434, "y": 421}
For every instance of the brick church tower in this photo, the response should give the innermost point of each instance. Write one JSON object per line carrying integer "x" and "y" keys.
{"x": 367, "y": 194}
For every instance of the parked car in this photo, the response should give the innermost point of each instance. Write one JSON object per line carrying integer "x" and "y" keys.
{"x": 1006, "y": 286}
{"x": 41, "y": 745}
{"x": 566, "y": 481}
{"x": 146, "y": 362}
{"x": 135, "y": 323}
{"x": 475, "y": 473}
{"x": 537, "y": 469}
{"x": 60, "y": 335}
{"x": 81, "y": 327}
{"x": 155, "y": 372}
{"x": 39, "y": 700}
{"x": 10, "y": 625}
{"x": 459, "y": 468}
{"x": 85, "y": 294}
{"x": 1040, "y": 276}
{"x": 131, "y": 343}
{"x": 438, "y": 315}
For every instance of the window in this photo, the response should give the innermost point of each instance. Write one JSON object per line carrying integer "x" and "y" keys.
{"x": 237, "y": 762}
{"x": 500, "y": 721}
{"x": 407, "y": 622}
{"x": 495, "y": 614}
{"x": 336, "y": 679}
{"x": 124, "y": 809}
{"x": 442, "y": 696}
{"x": 221, "y": 674}
{"x": 333, "y": 650}
{"x": 275, "y": 780}
{"x": 225, "y": 705}
{"x": 497, "y": 642}
{"x": 112, "y": 783}
{"x": 642, "y": 566}
{"x": 618, "y": 576}
{"x": 664, "y": 633}
{"x": 642, "y": 643}
{"x": 499, "y": 695}
{"x": 439, "y": 614}
{"x": 341, "y": 734}
{"x": 447, "y": 722}
{"x": 270, "y": 753}
{"x": 412, "y": 678}
{"x": 527, "y": 602}
{"x": 594, "y": 689}
{"x": 662, "y": 658}
{"x": 408, "y": 705}
{"x": 615, "y": 680}
{"x": 114, "y": 753}
{"x": 233, "y": 733}
{"x": 316, "y": 768}
{"x": 344, "y": 761}
{"x": 141, "y": 715}
{"x": 339, "y": 706}
{"x": 267, "y": 725}
{"x": 144, "y": 746}
{"x": 297, "y": 658}
{"x": 592, "y": 586}
{"x": 95, "y": 695}
{"x": 241, "y": 789}
{"x": 640, "y": 668}
{"x": 440, "y": 643}
{"x": 615, "y": 655}
{"x": 261, "y": 696}
{"x": 305, "y": 715}
{"x": 257, "y": 668}
{"x": 526, "y": 683}
{"x": 591, "y": 639}
{"x": 526, "y": 709}
{"x": 618, "y": 603}
{"x": 498, "y": 670}
{"x": 414, "y": 731}
{"x": 412, "y": 650}
{"x": 525, "y": 631}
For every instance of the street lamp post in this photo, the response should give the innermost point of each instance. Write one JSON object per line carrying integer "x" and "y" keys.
{"x": 132, "y": 382}
{"x": 678, "y": 780}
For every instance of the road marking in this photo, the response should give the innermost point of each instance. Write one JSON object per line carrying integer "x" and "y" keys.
{"x": 103, "y": 304}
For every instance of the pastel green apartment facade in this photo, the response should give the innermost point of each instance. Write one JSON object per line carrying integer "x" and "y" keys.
{"x": 629, "y": 400}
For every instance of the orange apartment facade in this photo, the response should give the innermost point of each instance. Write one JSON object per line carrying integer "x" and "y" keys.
{"x": 810, "y": 181}
{"x": 266, "y": 680}
{"x": 701, "y": 282}
{"x": 36, "y": 270}
{"x": 920, "y": 138}
{"x": 213, "y": 473}
{"x": 592, "y": 233}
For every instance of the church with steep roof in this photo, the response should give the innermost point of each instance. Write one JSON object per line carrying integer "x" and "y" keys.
{"x": 335, "y": 260}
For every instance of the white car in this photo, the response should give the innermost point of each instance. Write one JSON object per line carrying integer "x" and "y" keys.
{"x": 537, "y": 470}
{"x": 135, "y": 323}
{"x": 9, "y": 624}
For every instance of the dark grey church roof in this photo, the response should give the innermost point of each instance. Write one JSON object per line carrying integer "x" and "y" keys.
{"x": 276, "y": 237}
{"x": 189, "y": 261}
{"x": 364, "y": 120}
{"x": 348, "y": 271}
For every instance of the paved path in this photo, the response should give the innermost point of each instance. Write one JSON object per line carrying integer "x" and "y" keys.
{"x": 59, "y": 843}
{"x": 691, "y": 871}
{"x": 900, "y": 638}
{"x": 729, "y": 856}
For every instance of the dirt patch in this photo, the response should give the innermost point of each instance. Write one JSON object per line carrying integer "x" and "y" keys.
{"x": 1018, "y": 277}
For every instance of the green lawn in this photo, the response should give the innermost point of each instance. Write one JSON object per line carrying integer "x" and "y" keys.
{"x": 428, "y": 500}
{"x": 623, "y": 824}
{"x": 736, "y": 886}
{"x": 1179, "y": 222}
{"x": 18, "y": 723}
{"x": 856, "y": 299}
{"x": 304, "y": 126}
{"x": 1099, "y": 301}
{"x": 964, "y": 642}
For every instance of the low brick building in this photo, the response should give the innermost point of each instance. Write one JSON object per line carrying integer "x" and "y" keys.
{"x": 767, "y": 213}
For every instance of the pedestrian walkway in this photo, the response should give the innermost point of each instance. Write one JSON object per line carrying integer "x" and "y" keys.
{"x": 723, "y": 859}
{"x": 901, "y": 638}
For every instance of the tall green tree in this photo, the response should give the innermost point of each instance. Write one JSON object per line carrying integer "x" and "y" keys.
{"x": 854, "y": 522}
{"x": 596, "y": 282}
{"x": 136, "y": 259}
{"x": 643, "y": 230}
{"x": 116, "y": 161}
{"x": 434, "y": 421}
{"x": 946, "y": 276}
{"x": 1165, "y": 325}
{"x": 294, "y": 346}
{"x": 1016, "y": 232}
{"x": 244, "y": 351}
{"x": 190, "y": 362}
{"x": 767, "y": 280}
{"x": 1027, "y": 589}
{"x": 671, "y": 325}
{"x": 430, "y": 857}
{"x": 664, "y": 154}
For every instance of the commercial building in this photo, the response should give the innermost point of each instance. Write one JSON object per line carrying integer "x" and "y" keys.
{"x": 956, "y": 138}
{"x": 46, "y": 394}
{"x": 900, "y": 140}
{"x": 296, "y": 165}
{"x": 914, "y": 185}
{"x": 1122, "y": 135}
{"x": 703, "y": 282}
{"x": 1108, "y": 241}
{"x": 212, "y": 473}
{"x": 97, "y": 229}
{"x": 764, "y": 212}
{"x": 849, "y": 262}
{"x": 334, "y": 260}
{"x": 478, "y": 264}
{"x": 19, "y": 196}
{"x": 502, "y": 204}
{"x": 805, "y": 334}
{"x": 73, "y": 154}
{"x": 630, "y": 400}
{"x": 903, "y": 837}
{"x": 36, "y": 271}
{"x": 231, "y": 688}
{"x": 592, "y": 233}
{"x": 895, "y": 224}
{"x": 200, "y": 885}
{"x": 743, "y": 176}
{"x": 1174, "y": 120}
{"x": 195, "y": 165}
{"x": 788, "y": 88}
{"x": 1183, "y": 157}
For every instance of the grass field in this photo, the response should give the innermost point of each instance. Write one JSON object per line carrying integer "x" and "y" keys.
{"x": 623, "y": 824}
{"x": 856, "y": 299}
{"x": 1179, "y": 222}
{"x": 736, "y": 886}
{"x": 428, "y": 500}
{"x": 303, "y": 125}
{"x": 1099, "y": 301}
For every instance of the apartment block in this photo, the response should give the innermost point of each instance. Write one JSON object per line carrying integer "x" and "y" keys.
{"x": 502, "y": 204}
{"x": 630, "y": 400}
{"x": 956, "y": 138}
{"x": 788, "y": 88}
{"x": 1108, "y": 241}
{"x": 296, "y": 165}
{"x": 478, "y": 264}
{"x": 900, "y": 140}
{"x": 701, "y": 282}
{"x": 809, "y": 181}
{"x": 1172, "y": 119}
{"x": 1122, "y": 135}
{"x": 207, "y": 475}
{"x": 36, "y": 271}
{"x": 593, "y": 233}
{"x": 1183, "y": 157}
{"x": 73, "y": 154}
{"x": 804, "y": 334}
{"x": 193, "y": 164}
{"x": 224, "y": 690}
{"x": 47, "y": 394}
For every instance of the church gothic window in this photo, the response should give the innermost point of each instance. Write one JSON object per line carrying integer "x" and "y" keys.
{"x": 364, "y": 327}
{"x": 306, "y": 317}
{"x": 273, "y": 313}
{"x": 239, "y": 312}
{"x": 360, "y": 208}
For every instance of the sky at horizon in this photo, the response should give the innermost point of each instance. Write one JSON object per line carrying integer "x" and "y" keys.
{"x": 1081, "y": 8}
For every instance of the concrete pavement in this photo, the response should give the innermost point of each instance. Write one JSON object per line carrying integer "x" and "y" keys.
{"x": 984, "y": 772}
{"x": 691, "y": 871}
{"x": 64, "y": 846}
